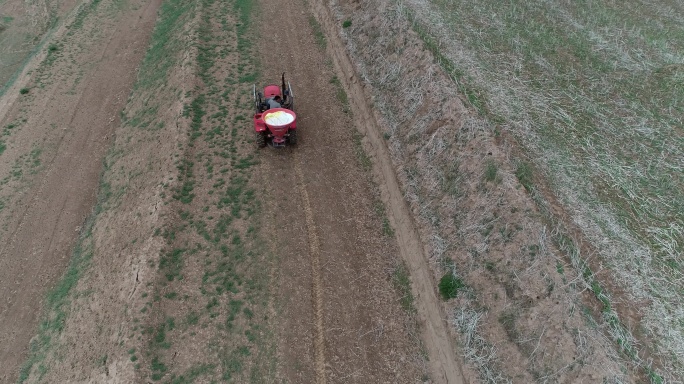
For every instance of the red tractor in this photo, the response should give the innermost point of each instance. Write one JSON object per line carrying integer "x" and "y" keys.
{"x": 275, "y": 122}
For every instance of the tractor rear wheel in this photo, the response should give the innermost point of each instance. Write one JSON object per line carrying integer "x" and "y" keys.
{"x": 260, "y": 140}
{"x": 292, "y": 138}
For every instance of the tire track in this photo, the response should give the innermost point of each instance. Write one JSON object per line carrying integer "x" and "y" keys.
{"x": 317, "y": 289}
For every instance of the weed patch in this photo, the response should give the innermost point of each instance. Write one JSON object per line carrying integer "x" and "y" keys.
{"x": 449, "y": 286}
{"x": 318, "y": 34}
{"x": 524, "y": 174}
{"x": 402, "y": 284}
{"x": 83, "y": 11}
{"x": 491, "y": 171}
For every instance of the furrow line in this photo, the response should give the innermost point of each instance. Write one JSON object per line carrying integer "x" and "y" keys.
{"x": 317, "y": 289}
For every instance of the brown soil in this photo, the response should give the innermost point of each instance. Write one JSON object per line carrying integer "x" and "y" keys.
{"x": 52, "y": 163}
{"x": 357, "y": 333}
{"x": 208, "y": 259}
{"x": 336, "y": 313}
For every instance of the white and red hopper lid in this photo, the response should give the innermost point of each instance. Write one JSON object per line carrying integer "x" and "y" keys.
{"x": 279, "y": 117}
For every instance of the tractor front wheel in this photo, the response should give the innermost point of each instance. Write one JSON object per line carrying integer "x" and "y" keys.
{"x": 292, "y": 138}
{"x": 260, "y": 140}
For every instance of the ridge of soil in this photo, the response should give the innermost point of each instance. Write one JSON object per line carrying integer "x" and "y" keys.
{"x": 63, "y": 124}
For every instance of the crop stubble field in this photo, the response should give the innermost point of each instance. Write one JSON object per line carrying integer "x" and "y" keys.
{"x": 584, "y": 99}
{"x": 538, "y": 145}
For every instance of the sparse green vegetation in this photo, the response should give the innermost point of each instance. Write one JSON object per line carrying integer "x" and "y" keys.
{"x": 157, "y": 62}
{"x": 507, "y": 320}
{"x": 402, "y": 284}
{"x": 380, "y": 210}
{"x": 219, "y": 233}
{"x": 465, "y": 83}
{"x": 213, "y": 169}
{"x": 212, "y": 206}
{"x": 387, "y": 229}
{"x": 318, "y": 34}
{"x": 364, "y": 160}
{"x": 21, "y": 39}
{"x": 172, "y": 263}
{"x": 53, "y": 53}
{"x": 451, "y": 180}
{"x": 524, "y": 174}
{"x": 491, "y": 171}
{"x": 340, "y": 93}
{"x": 57, "y": 303}
{"x": 83, "y": 12}
{"x": 591, "y": 143}
{"x": 193, "y": 373}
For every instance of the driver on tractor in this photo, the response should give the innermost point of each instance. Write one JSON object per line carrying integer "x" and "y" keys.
{"x": 274, "y": 102}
